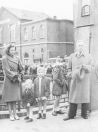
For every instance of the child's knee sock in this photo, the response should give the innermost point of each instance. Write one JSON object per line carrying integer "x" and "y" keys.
{"x": 55, "y": 105}
{"x": 27, "y": 109}
{"x": 30, "y": 112}
{"x": 44, "y": 106}
{"x": 39, "y": 106}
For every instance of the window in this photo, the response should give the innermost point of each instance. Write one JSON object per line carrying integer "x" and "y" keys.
{"x": 12, "y": 33}
{"x": 42, "y": 31}
{"x": 42, "y": 50}
{"x": 25, "y": 34}
{"x": 85, "y": 8}
{"x": 33, "y": 50}
{"x": 33, "y": 33}
{"x": 26, "y": 58}
{"x": 0, "y": 35}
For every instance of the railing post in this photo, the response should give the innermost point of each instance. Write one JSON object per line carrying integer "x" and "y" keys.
{"x": 19, "y": 106}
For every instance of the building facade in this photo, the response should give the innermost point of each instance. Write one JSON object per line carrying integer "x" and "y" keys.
{"x": 36, "y": 38}
{"x": 46, "y": 39}
{"x": 86, "y": 28}
{"x": 86, "y": 24}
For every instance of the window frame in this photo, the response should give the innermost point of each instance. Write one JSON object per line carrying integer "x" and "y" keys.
{"x": 25, "y": 34}
{"x": 83, "y": 13}
{"x": 26, "y": 58}
{"x": 42, "y": 31}
{"x": 33, "y": 33}
{"x": 42, "y": 49}
{"x": 12, "y": 33}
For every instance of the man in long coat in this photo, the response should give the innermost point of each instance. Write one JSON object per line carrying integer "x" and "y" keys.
{"x": 79, "y": 67}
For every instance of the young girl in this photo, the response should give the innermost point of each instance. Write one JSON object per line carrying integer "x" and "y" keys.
{"x": 28, "y": 100}
{"x": 42, "y": 88}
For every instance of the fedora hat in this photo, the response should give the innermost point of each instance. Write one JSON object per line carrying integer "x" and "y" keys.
{"x": 78, "y": 73}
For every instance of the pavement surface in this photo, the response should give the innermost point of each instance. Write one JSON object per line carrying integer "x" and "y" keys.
{"x": 5, "y": 113}
{"x": 52, "y": 124}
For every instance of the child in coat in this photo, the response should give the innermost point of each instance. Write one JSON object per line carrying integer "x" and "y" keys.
{"x": 42, "y": 90}
{"x": 28, "y": 100}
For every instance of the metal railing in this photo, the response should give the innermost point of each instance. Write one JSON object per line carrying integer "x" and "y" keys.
{"x": 64, "y": 97}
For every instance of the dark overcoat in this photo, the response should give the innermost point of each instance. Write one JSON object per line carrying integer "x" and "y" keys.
{"x": 28, "y": 97}
{"x": 11, "y": 89}
{"x": 59, "y": 86}
{"x": 45, "y": 87}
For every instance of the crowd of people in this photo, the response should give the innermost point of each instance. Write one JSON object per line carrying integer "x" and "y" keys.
{"x": 31, "y": 69}
{"x": 37, "y": 91}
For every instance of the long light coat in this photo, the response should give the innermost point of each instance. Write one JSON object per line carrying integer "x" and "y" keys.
{"x": 80, "y": 89}
{"x": 11, "y": 90}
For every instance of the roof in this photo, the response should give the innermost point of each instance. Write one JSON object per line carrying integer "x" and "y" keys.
{"x": 28, "y": 15}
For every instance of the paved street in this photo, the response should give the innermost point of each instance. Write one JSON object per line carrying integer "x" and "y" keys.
{"x": 51, "y": 124}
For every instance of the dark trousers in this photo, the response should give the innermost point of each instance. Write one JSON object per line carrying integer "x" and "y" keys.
{"x": 73, "y": 110}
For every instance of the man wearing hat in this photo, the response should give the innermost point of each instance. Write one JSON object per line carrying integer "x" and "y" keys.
{"x": 79, "y": 68}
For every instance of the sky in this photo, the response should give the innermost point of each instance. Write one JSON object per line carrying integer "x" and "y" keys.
{"x": 62, "y": 9}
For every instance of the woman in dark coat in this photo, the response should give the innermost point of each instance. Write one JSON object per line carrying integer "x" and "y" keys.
{"x": 13, "y": 74}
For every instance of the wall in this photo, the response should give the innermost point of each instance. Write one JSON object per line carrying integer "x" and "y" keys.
{"x": 60, "y": 32}
{"x": 66, "y": 31}
{"x": 92, "y": 21}
{"x": 37, "y": 29}
{"x": 6, "y": 30}
{"x": 5, "y": 27}
{"x": 53, "y": 31}
{"x": 34, "y": 44}
{"x": 37, "y": 54}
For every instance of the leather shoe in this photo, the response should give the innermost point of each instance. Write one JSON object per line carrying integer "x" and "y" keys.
{"x": 16, "y": 117}
{"x": 85, "y": 117}
{"x": 39, "y": 116}
{"x": 26, "y": 118}
{"x": 67, "y": 118}
{"x": 54, "y": 113}
{"x": 60, "y": 112}
{"x": 44, "y": 116}
{"x": 29, "y": 120}
{"x": 12, "y": 118}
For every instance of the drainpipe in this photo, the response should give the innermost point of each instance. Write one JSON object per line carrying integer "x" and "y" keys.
{"x": 20, "y": 43}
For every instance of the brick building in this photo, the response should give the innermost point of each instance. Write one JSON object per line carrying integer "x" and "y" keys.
{"x": 36, "y": 35}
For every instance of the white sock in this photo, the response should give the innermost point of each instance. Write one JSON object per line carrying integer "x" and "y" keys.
{"x": 44, "y": 112}
{"x": 39, "y": 112}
